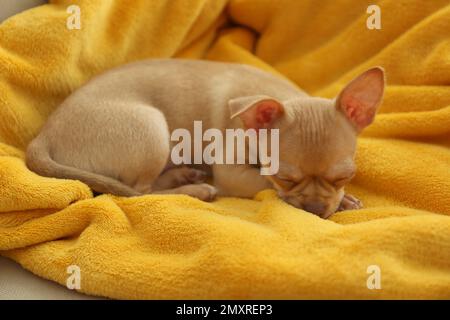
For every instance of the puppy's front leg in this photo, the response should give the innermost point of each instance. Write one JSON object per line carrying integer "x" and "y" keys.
{"x": 238, "y": 180}
{"x": 350, "y": 202}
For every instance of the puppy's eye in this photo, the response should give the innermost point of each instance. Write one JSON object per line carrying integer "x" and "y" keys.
{"x": 284, "y": 182}
{"x": 284, "y": 178}
{"x": 340, "y": 182}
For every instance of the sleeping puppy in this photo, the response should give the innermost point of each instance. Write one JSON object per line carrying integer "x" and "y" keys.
{"x": 114, "y": 132}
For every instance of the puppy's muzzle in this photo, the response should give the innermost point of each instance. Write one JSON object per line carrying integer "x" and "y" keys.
{"x": 317, "y": 208}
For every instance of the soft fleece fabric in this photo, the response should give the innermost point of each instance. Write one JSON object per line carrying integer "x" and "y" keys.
{"x": 179, "y": 247}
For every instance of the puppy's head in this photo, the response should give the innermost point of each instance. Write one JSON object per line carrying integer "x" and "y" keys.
{"x": 317, "y": 140}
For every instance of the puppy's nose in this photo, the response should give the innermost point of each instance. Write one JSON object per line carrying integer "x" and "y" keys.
{"x": 317, "y": 208}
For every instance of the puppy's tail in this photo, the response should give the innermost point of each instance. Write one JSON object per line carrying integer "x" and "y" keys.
{"x": 38, "y": 160}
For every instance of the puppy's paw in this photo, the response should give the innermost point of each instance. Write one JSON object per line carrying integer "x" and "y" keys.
{"x": 185, "y": 175}
{"x": 179, "y": 176}
{"x": 202, "y": 191}
{"x": 195, "y": 176}
{"x": 349, "y": 202}
{"x": 207, "y": 192}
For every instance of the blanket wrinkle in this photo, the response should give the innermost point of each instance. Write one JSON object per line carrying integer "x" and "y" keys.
{"x": 178, "y": 247}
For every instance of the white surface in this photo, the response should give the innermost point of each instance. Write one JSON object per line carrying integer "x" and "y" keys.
{"x": 17, "y": 283}
{"x": 11, "y": 7}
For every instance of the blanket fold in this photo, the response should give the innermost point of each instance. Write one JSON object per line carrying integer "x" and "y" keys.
{"x": 177, "y": 247}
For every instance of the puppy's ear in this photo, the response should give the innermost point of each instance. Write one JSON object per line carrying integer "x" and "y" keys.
{"x": 256, "y": 112}
{"x": 360, "y": 99}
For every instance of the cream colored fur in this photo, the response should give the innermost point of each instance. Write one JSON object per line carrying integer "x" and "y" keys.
{"x": 114, "y": 132}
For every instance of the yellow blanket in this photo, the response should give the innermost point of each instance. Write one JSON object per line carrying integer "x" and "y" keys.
{"x": 179, "y": 247}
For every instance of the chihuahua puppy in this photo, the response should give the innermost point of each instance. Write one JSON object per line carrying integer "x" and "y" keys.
{"x": 113, "y": 133}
